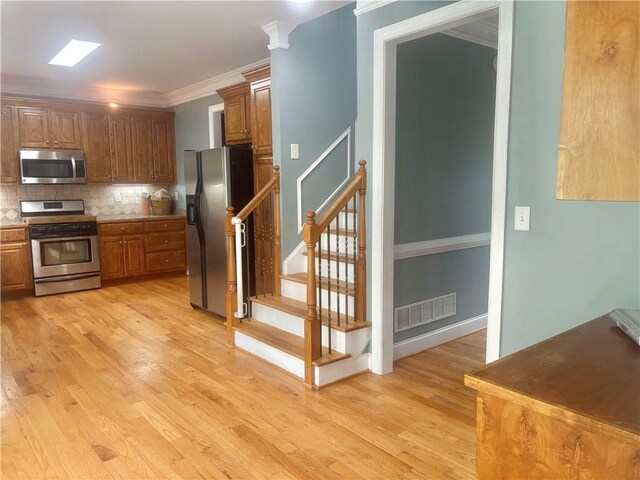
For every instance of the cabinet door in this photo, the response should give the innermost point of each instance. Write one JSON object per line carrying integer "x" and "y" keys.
{"x": 142, "y": 148}
{"x": 133, "y": 255}
{"x": 121, "y": 161}
{"x": 164, "y": 150}
{"x": 261, "y": 117}
{"x": 111, "y": 258}
{"x": 98, "y": 147}
{"x": 262, "y": 172}
{"x": 15, "y": 266}
{"x": 34, "y": 127}
{"x": 235, "y": 120}
{"x": 65, "y": 129}
{"x": 8, "y": 146}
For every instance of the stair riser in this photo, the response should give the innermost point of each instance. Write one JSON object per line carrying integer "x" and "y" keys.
{"x": 338, "y": 269}
{"x": 345, "y": 244}
{"x": 343, "y": 219}
{"x": 272, "y": 355}
{"x": 346, "y": 368}
{"x": 298, "y": 291}
{"x": 353, "y": 342}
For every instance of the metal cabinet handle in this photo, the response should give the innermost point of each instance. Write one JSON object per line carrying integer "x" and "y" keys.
{"x": 166, "y": 261}
{"x": 56, "y": 141}
{"x": 120, "y": 242}
{"x": 47, "y": 142}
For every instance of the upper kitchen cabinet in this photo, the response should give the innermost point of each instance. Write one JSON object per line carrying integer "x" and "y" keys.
{"x": 8, "y": 145}
{"x": 121, "y": 157}
{"x": 49, "y": 128}
{"x": 237, "y": 113}
{"x": 98, "y": 147}
{"x": 142, "y": 148}
{"x": 599, "y": 147}
{"x": 164, "y": 149}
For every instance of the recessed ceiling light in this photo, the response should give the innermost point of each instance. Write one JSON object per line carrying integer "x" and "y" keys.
{"x": 73, "y": 52}
{"x": 113, "y": 105}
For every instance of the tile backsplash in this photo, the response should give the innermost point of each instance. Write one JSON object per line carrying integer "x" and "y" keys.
{"x": 98, "y": 199}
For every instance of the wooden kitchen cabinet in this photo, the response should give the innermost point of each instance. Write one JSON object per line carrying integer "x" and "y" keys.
{"x": 48, "y": 128}
{"x": 15, "y": 261}
{"x": 599, "y": 146}
{"x": 121, "y": 250}
{"x": 121, "y": 157}
{"x": 165, "y": 245}
{"x": 8, "y": 145}
{"x": 142, "y": 148}
{"x": 237, "y": 113}
{"x": 164, "y": 150}
{"x": 97, "y": 148}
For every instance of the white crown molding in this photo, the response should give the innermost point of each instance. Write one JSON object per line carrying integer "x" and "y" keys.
{"x": 12, "y": 85}
{"x": 278, "y": 34}
{"x": 366, "y": 6}
{"x": 209, "y": 86}
{"x": 483, "y": 32}
{"x": 47, "y": 88}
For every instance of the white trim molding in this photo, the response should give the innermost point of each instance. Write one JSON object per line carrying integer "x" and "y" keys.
{"x": 209, "y": 86}
{"x": 346, "y": 134}
{"x": 215, "y": 125}
{"x": 417, "y": 344}
{"x": 366, "y": 6}
{"x": 278, "y": 32}
{"x": 441, "y": 245}
{"x": 385, "y": 41}
{"x": 483, "y": 32}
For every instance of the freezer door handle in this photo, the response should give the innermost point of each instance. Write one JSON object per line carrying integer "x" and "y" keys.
{"x": 191, "y": 213}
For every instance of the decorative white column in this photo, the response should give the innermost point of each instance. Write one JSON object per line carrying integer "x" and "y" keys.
{"x": 278, "y": 32}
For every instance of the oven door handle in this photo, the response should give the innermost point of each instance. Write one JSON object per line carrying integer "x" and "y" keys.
{"x": 64, "y": 239}
{"x": 67, "y": 277}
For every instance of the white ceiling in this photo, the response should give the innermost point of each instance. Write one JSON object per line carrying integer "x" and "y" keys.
{"x": 149, "y": 48}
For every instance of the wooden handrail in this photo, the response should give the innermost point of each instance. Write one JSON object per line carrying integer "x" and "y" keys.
{"x": 255, "y": 202}
{"x": 354, "y": 187}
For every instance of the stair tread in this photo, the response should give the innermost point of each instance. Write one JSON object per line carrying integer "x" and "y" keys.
{"x": 299, "y": 309}
{"x": 324, "y": 283}
{"x": 340, "y": 257}
{"x": 285, "y": 341}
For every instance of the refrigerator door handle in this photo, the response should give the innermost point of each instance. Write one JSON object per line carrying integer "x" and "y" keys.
{"x": 191, "y": 214}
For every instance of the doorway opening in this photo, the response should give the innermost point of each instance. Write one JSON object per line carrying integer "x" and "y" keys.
{"x": 390, "y": 44}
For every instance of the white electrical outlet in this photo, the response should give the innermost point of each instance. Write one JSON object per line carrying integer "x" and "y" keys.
{"x": 522, "y": 220}
{"x": 295, "y": 151}
{"x": 176, "y": 196}
{"x": 117, "y": 196}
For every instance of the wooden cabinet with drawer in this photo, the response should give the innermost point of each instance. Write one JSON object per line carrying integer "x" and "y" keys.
{"x": 165, "y": 245}
{"x": 121, "y": 250}
{"x": 15, "y": 262}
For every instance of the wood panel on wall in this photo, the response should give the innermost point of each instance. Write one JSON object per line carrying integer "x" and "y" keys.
{"x": 599, "y": 148}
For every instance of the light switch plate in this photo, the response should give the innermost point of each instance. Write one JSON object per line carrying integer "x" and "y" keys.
{"x": 117, "y": 196}
{"x": 295, "y": 151}
{"x": 522, "y": 220}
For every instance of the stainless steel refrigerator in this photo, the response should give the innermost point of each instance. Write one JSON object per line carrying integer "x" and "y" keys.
{"x": 214, "y": 179}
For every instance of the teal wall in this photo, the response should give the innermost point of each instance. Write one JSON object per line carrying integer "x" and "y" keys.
{"x": 313, "y": 102}
{"x": 580, "y": 259}
{"x": 445, "y": 102}
{"x": 192, "y": 133}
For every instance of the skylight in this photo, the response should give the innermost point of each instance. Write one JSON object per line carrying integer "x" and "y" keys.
{"x": 73, "y": 52}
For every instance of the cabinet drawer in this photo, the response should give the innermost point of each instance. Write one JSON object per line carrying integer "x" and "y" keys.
{"x": 13, "y": 235}
{"x": 120, "y": 228}
{"x": 155, "y": 242}
{"x": 176, "y": 225}
{"x": 161, "y": 261}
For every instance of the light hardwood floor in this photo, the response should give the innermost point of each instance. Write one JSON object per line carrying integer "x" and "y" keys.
{"x": 130, "y": 382}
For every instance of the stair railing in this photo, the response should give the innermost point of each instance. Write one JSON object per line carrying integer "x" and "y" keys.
{"x": 257, "y": 225}
{"x": 350, "y": 249}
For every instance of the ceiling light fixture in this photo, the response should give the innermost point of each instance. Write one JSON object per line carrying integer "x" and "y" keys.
{"x": 73, "y": 52}
{"x": 113, "y": 105}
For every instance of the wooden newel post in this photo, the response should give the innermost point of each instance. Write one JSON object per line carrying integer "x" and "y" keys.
{"x": 232, "y": 285}
{"x": 312, "y": 340}
{"x": 361, "y": 264}
{"x": 277, "y": 249}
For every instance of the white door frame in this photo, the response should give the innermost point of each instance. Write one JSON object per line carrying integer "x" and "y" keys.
{"x": 219, "y": 107}
{"x": 385, "y": 41}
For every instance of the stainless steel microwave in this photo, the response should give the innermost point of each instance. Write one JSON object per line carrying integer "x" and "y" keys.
{"x": 52, "y": 166}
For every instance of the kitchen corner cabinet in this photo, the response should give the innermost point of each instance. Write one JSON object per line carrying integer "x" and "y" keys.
{"x": 8, "y": 145}
{"x": 49, "y": 128}
{"x": 15, "y": 261}
{"x": 599, "y": 147}
{"x": 237, "y": 113}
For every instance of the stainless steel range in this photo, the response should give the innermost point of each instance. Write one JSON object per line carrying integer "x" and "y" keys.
{"x": 64, "y": 246}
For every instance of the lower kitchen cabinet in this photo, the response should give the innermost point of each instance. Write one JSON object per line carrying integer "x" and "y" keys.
{"x": 146, "y": 247}
{"x": 15, "y": 261}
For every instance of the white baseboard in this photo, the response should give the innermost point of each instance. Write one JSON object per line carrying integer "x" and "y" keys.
{"x": 270, "y": 354}
{"x": 437, "y": 337}
{"x": 295, "y": 262}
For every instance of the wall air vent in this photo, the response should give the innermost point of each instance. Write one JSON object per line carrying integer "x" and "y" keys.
{"x": 427, "y": 311}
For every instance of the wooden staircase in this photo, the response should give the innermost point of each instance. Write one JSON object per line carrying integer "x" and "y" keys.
{"x": 311, "y": 323}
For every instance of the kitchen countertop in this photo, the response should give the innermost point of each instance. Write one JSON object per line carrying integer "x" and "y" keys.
{"x": 15, "y": 223}
{"x": 136, "y": 217}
